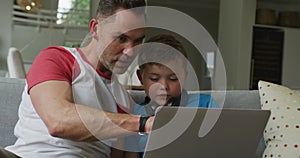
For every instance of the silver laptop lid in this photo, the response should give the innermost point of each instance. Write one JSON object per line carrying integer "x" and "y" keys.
{"x": 236, "y": 133}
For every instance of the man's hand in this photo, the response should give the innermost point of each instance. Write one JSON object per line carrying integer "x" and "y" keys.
{"x": 148, "y": 125}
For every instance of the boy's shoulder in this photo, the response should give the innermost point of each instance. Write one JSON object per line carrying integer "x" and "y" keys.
{"x": 139, "y": 108}
{"x": 200, "y": 100}
{"x": 199, "y": 96}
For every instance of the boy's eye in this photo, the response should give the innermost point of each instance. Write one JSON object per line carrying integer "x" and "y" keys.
{"x": 154, "y": 79}
{"x": 173, "y": 78}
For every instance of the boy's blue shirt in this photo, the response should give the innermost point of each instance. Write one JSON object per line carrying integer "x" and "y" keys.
{"x": 137, "y": 142}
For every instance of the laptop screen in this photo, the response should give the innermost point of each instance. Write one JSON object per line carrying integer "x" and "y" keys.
{"x": 235, "y": 134}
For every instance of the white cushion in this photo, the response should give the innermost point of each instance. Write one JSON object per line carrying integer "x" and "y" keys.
{"x": 282, "y": 133}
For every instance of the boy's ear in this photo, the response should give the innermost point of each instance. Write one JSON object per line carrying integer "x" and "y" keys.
{"x": 139, "y": 75}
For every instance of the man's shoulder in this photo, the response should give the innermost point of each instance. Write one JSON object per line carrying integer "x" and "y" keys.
{"x": 56, "y": 49}
{"x": 61, "y": 48}
{"x": 57, "y": 53}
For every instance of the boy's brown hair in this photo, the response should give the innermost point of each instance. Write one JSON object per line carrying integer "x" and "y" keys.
{"x": 160, "y": 49}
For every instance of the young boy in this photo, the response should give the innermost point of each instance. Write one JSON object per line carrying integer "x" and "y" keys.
{"x": 162, "y": 71}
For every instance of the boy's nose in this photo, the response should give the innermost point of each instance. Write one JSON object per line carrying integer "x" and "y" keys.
{"x": 164, "y": 85}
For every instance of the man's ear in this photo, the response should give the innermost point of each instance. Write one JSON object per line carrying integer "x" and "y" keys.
{"x": 139, "y": 75}
{"x": 93, "y": 28}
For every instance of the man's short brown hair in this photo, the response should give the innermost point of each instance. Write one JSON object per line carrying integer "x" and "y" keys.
{"x": 108, "y": 7}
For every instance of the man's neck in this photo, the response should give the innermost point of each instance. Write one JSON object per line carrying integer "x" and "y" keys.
{"x": 93, "y": 59}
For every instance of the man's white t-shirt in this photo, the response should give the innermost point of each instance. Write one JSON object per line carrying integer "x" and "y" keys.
{"x": 88, "y": 88}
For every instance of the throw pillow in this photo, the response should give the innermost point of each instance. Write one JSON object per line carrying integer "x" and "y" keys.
{"x": 282, "y": 132}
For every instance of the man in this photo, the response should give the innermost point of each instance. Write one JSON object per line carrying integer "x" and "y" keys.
{"x": 71, "y": 99}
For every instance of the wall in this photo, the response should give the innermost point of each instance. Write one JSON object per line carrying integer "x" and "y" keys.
{"x": 291, "y": 57}
{"x": 50, "y": 4}
{"x": 11, "y": 36}
{"x": 5, "y": 31}
{"x": 229, "y": 23}
{"x": 279, "y": 5}
{"x": 235, "y": 40}
{"x": 206, "y": 12}
{"x": 94, "y": 6}
{"x": 291, "y": 47}
{"x": 34, "y": 39}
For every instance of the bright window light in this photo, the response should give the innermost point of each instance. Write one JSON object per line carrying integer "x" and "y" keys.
{"x": 63, "y": 7}
{"x": 210, "y": 63}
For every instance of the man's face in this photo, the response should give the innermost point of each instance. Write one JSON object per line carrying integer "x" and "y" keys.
{"x": 118, "y": 36}
{"x": 161, "y": 83}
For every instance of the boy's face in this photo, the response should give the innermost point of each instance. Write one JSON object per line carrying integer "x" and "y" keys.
{"x": 161, "y": 83}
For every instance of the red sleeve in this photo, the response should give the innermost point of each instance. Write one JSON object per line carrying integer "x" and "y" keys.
{"x": 52, "y": 63}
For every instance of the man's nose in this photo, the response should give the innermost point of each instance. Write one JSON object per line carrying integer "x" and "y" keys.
{"x": 129, "y": 49}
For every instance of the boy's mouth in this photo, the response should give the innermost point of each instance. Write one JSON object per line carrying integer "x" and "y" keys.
{"x": 162, "y": 96}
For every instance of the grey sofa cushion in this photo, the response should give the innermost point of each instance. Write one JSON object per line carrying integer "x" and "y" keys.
{"x": 247, "y": 99}
{"x": 10, "y": 97}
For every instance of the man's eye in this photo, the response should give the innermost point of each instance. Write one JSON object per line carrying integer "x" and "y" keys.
{"x": 122, "y": 39}
{"x": 138, "y": 41}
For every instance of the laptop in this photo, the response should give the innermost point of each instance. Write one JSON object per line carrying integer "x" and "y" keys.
{"x": 224, "y": 133}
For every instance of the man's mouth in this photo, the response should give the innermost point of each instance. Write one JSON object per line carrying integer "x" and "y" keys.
{"x": 123, "y": 63}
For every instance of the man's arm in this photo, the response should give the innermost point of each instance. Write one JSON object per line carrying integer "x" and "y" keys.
{"x": 53, "y": 101}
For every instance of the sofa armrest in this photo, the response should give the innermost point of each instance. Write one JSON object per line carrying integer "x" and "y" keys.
{"x": 10, "y": 97}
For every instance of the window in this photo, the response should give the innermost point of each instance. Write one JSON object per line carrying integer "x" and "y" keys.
{"x": 210, "y": 63}
{"x": 73, "y": 12}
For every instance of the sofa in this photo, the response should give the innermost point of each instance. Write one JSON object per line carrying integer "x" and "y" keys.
{"x": 11, "y": 90}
